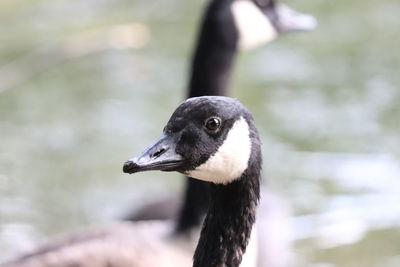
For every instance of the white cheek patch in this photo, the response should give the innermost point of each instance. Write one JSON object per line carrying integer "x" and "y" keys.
{"x": 253, "y": 25}
{"x": 230, "y": 160}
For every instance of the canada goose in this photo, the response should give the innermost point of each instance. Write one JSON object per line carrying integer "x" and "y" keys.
{"x": 228, "y": 25}
{"x": 213, "y": 139}
{"x": 212, "y": 65}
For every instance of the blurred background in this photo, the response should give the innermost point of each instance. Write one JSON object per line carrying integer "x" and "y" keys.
{"x": 85, "y": 85}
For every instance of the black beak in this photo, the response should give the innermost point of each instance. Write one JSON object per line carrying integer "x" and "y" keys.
{"x": 291, "y": 20}
{"x": 160, "y": 156}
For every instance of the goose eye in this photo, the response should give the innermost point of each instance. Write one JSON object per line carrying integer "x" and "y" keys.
{"x": 213, "y": 124}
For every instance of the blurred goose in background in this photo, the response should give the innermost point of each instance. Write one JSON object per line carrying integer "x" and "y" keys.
{"x": 212, "y": 139}
{"x": 227, "y": 25}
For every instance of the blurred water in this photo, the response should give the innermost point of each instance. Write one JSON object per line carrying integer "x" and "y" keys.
{"x": 85, "y": 85}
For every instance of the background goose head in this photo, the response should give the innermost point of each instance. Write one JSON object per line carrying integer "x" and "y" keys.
{"x": 249, "y": 23}
{"x": 208, "y": 138}
{"x": 260, "y": 21}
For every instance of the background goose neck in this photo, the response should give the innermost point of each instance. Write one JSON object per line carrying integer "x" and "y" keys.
{"x": 211, "y": 68}
{"x": 215, "y": 51}
{"x": 194, "y": 207}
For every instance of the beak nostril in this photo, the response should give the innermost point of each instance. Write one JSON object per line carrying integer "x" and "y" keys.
{"x": 158, "y": 153}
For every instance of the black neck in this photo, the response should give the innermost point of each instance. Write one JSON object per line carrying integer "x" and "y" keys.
{"x": 231, "y": 214}
{"x": 214, "y": 55}
{"x": 210, "y": 72}
{"x": 227, "y": 226}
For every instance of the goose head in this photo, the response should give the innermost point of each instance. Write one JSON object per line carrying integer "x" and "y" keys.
{"x": 213, "y": 138}
{"x": 260, "y": 21}
{"x": 208, "y": 138}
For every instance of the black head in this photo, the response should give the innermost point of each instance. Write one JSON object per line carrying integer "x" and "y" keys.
{"x": 209, "y": 138}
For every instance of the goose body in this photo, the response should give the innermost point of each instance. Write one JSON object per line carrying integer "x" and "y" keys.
{"x": 122, "y": 244}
